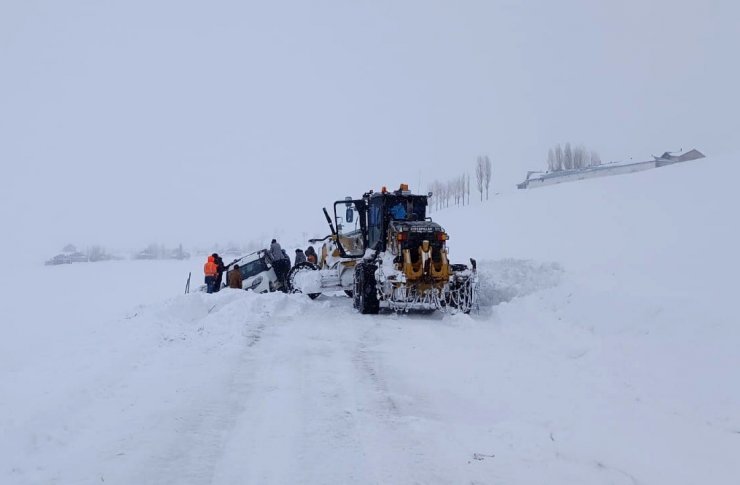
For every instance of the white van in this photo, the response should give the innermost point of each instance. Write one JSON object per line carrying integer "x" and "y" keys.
{"x": 257, "y": 272}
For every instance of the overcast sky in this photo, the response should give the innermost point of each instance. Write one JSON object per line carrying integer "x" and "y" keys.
{"x": 124, "y": 122}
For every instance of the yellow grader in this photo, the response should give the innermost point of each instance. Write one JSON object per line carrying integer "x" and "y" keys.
{"x": 385, "y": 252}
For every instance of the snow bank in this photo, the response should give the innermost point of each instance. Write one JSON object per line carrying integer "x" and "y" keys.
{"x": 506, "y": 279}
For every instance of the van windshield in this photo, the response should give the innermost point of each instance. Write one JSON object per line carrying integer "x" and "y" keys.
{"x": 253, "y": 268}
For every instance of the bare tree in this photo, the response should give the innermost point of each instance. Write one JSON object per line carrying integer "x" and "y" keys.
{"x": 437, "y": 191}
{"x": 437, "y": 194}
{"x": 480, "y": 174}
{"x": 458, "y": 191}
{"x": 571, "y": 158}
{"x": 558, "y": 158}
{"x": 467, "y": 186}
{"x": 568, "y": 157}
{"x": 595, "y": 159}
{"x": 463, "y": 187}
{"x": 585, "y": 157}
{"x": 452, "y": 191}
{"x": 576, "y": 157}
{"x": 440, "y": 195}
{"x": 460, "y": 187}
{"x": 455, "y": 190}
{"x": 487, "y": 174}
{"x": 579, "y": 157}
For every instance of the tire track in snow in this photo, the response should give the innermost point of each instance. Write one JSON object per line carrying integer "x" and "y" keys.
{"x": 364, "y": 362}
{"x": 195, "y": 444}
{"x": 302, "y": 408}
{"x": 405, "y": 456}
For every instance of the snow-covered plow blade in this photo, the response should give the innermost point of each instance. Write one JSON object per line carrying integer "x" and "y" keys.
{"x": 454, "y": 288}
{"x": 406, "y": 298}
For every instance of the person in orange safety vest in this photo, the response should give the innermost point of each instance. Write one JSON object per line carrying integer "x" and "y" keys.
{"x": 210, "y": 269}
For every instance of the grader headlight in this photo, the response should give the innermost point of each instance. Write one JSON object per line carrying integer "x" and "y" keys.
{"x": 442, "y": 236}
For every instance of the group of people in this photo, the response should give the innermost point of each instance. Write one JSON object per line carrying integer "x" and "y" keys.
{"x": 281, "y": 264}
{"x": 281, "y": 261}
{"x": 214, "y": 270}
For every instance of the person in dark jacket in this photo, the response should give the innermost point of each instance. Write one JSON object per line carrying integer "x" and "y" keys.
{"x": 235, "y": 278}
{"x": 288, "y": 264}
{"x": 300, "y": 257}
{"x": 220, "y": 271}
{"x": 275, "y": 252}
{"x": 311, "y": 255}
{"x": 280, "y": 264}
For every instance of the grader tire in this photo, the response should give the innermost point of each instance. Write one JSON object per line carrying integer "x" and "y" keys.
{"x": 365, "y": 294}
{"x": 300, "y": 267}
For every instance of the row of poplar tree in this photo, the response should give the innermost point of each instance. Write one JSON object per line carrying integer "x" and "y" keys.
{"x": 456, "y": 190}
{"x": 559, "y": 158}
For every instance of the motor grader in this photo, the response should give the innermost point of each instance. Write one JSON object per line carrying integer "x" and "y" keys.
{"x": 385, "y": 252}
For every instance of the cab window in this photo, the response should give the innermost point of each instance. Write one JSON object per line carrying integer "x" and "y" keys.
{"x": 375, "y": 221}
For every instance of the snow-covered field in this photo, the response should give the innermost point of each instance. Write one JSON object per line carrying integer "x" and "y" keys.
{"x": 606, "y": 350}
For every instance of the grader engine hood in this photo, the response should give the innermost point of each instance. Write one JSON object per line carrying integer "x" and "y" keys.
{"x": 419, "y": 247}
{"x": 418, "y": 230}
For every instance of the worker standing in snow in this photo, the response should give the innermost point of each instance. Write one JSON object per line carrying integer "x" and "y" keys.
{"x": 311, "y": 255}
{"x": 219, "y": 272}
{"x": 279, "y": 263}
{"x": 235, "y": 278}
{"x": 210, "y": 269}
{"x": 276, "y": 251}
{"x": 300, "y": 257}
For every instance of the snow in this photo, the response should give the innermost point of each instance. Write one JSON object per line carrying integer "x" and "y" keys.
{"x": 605, "y": 351}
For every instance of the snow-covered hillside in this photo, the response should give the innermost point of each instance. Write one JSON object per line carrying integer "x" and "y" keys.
{"x": 605, "y": 351}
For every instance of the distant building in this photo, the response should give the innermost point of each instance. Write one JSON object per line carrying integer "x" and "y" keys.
{"x": 179, "y": 253}
{"x": 156, "y": 251}
{"x": 68, "y": 255}
{"x": 668, "y": 158}
{"x": 148, "y": 253}
{"x": 538, "y": 179}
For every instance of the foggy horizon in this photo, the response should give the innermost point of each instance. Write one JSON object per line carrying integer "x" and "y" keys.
{"x": 128, "y": 123}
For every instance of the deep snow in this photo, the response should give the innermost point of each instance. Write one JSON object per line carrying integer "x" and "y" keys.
{"x": 605, "y": 351}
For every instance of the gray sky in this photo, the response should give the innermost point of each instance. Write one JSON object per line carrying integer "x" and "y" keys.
{"x": 124, "y": 122}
